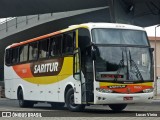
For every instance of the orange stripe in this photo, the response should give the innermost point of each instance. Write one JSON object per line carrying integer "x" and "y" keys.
{"x": 23, "y": 71}
{"x": 36, "y": 39}
{"x": 132, "y": 88}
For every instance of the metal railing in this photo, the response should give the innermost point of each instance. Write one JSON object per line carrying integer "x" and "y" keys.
{"x": 16, "y": 21}
{"x": 6, "y": 20}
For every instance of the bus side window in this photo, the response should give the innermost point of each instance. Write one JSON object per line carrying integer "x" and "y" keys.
{"x": 43, "y": 48}
{"x": 8, "y": 56}
{"x": 68, "y": 43}
{"x": 23, "y": 53}
{"x": 14, "y": 58}
{"x": 83, "y": 38}
{"x": 33, "y": 51}
{"x": 84, "y": 43}
{"x": 55, "y": 46}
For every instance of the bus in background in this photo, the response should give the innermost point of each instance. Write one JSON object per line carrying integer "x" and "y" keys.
{"x": 85, "y": 64}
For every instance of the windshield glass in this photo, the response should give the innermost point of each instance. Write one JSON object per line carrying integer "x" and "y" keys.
{"x": 119, "y": 36}
{"x": 123, "y": 63}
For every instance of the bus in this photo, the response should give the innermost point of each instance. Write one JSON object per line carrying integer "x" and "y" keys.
{"x": 85, "y": 64}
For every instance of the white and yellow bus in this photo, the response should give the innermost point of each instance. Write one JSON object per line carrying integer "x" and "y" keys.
{"x": 86, "y": 64}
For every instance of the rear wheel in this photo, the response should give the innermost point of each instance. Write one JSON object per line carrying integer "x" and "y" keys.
{"x": 23, "y": 103}
{"x": 70, "y": 102}
{"x": 118, "y": 107}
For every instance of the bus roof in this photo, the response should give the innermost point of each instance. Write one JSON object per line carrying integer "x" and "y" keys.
{"x": 109, "y": 25}
{"x": 85, "y": 25}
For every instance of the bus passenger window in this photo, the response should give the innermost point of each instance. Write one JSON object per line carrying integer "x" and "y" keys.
{"x": 43, "y": 48}
{"x": 23, "y": 53}
{"x": 8, "y": 56}
{"x": 14, "y": 56}
{"x": 33, "y": 51}
{"x": 68, "y": 42}
{"x": 55, "y": 46}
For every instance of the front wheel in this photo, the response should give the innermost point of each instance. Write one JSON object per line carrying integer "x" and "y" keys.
{"x": 70, "y": 102}
{"x": 118, "y": 107}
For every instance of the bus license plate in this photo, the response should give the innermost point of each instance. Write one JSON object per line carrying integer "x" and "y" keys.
{"x": 127, "y": 98}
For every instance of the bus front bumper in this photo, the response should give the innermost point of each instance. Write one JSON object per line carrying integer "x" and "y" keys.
{"x": 115, "y": 98}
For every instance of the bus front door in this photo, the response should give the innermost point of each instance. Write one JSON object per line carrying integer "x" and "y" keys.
{"x": 77, "y": 77}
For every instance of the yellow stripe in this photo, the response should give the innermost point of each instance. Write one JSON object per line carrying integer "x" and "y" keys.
{"x": 76, "y": 38}
{"x": 67, "y": 67}
{"x": 108, "y": 84}
{"x": 74, "y": 27}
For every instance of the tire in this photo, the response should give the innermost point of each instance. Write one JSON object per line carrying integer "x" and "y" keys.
{"x": 57, "y": 105}
{"x": 23, "y": 103}
{"x": 118, "y": 107}
{"x": 70, "y": 102}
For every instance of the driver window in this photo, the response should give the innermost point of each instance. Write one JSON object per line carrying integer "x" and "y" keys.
{"x": 68, "y": 43}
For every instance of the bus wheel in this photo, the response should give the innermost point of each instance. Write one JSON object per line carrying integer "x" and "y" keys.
{"x": 117, "y": 107}
{"x": 23, "y": 103}
{"x": 57, "y": 105}
{"x": 70, "y": 102}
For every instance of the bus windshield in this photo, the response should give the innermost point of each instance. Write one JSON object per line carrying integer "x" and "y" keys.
{"x": 122, "y": 55}
{"x": 123, "y": 64}
{"x": 119, "y": 36}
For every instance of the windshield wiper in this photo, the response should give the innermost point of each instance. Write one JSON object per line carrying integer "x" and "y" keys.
{"x": 132, "y": 63}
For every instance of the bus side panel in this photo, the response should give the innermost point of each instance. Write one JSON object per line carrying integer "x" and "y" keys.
{"x": 7, "y": 89}
{"x": 30, "y": 91}
{"x": 10, "y": 78}
{"x": 65, "y": 77}
{"x": 41, "y": 88}
{"x": 67, "y": 73}
{"x": 33, "y": 92}
{"x": 51, "y": 92}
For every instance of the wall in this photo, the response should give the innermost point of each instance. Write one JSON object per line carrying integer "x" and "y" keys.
{"x": 152, "y": 42}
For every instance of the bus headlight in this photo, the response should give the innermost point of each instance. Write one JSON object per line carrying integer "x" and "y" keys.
{"x": 104, "y": 90}
{"x": 148, "y": 90}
